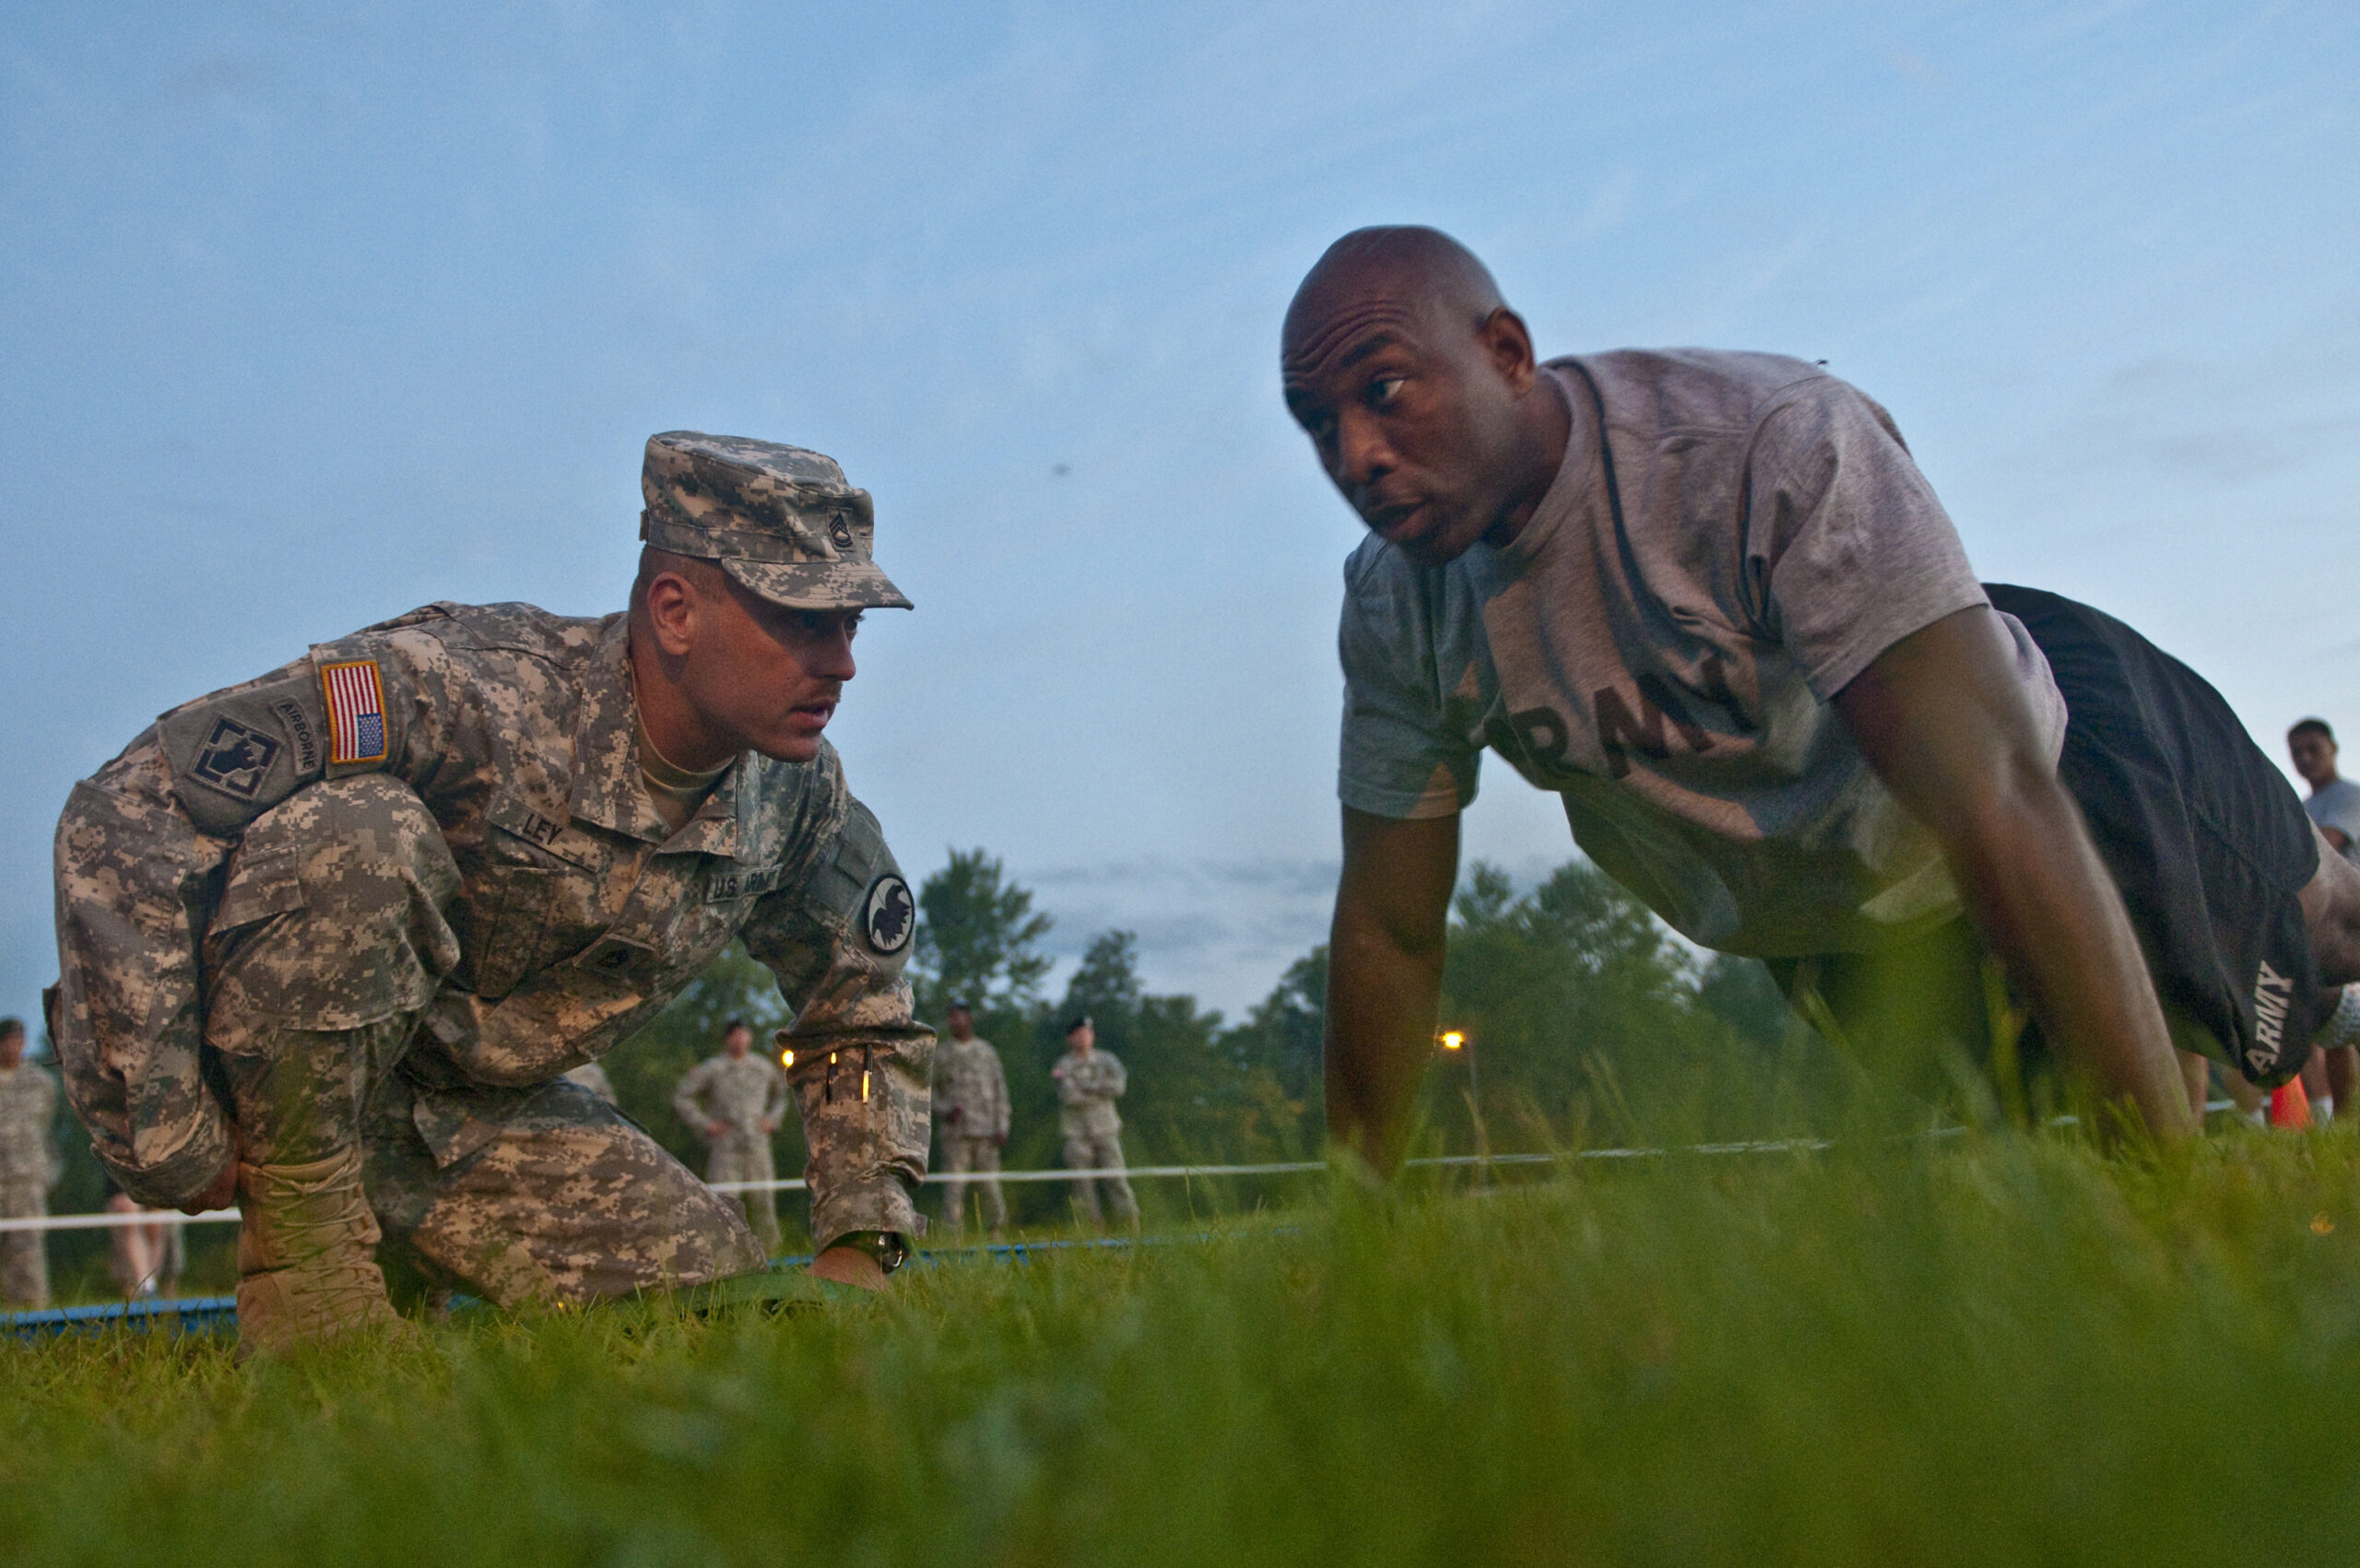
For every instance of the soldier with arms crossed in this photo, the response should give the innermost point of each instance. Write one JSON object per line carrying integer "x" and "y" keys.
{"x": 331, "y": 938}
{"x": 1089, "y": 1082}
{"x": 1708, "y": 600}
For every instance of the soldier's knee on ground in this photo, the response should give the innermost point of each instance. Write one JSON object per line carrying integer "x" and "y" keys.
{"x": 565, "y": 1201}
{"x": 331, "y": 916}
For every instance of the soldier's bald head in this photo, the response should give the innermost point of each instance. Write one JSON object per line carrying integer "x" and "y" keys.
{"x": 1415, "y": 384}
{"x": 1421, "y": 275}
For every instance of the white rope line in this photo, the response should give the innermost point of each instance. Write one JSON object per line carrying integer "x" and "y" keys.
{"x": 115, "y": 1220}
{"x": 1144, "y": 1173}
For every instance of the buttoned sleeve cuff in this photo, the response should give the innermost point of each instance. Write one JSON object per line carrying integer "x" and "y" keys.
{"x": 180, "y": 1176}
{"x": 874, "y": 1200}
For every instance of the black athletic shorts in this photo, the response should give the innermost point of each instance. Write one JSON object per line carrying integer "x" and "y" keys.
{"x": 2205, "y": 839}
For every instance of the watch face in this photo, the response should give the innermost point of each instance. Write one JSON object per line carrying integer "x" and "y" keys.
{"x": 886, "y": 1246}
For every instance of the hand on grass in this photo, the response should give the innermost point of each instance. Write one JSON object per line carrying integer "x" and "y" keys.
{"x": 849, "y": 1266}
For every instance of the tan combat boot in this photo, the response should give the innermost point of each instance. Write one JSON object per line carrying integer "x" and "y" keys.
{"x": 307, "y": 1257}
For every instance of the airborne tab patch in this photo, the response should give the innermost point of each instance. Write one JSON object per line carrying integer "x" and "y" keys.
{"x": 356, "y": 712}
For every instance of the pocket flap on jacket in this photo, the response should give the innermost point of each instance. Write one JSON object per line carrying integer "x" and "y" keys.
{"x": 260, "y": 886}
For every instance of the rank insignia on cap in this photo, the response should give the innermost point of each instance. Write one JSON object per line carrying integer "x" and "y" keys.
{"x": 356, "y": 712}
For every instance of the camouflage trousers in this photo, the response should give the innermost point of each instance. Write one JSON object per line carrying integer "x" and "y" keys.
{"x": 959, "y": 1157}
{"x": 746, "y": 1157}
{"x": 320, "y": 1016}
{"x": 1100, "y": 1152}
{"x": 24, "y": 1255}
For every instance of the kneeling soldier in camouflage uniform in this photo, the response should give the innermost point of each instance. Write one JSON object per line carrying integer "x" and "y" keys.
{"x": 330, "y": 938}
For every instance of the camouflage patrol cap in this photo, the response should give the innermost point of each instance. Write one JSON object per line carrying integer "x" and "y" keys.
{"x": 782, "y": 521}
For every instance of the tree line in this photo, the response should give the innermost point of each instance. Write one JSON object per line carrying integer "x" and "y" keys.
{"x": 1587, "y": 1020}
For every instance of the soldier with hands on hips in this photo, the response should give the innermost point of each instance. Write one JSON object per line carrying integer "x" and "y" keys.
{"x": 1089, "y": 1082}
{"x": 735, "y": 1101}
{"x": 330, "y": 938}
{"x": 971, "y": 1113}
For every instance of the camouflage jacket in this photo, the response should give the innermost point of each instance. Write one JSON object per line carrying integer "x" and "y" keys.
{"x": 579, "y": 917}
{"x": 27, "y": 1125}
{"x": 970, "y": 1089}
{"x": 1087, "y": 1090}
{"x": 742, "y": 1094}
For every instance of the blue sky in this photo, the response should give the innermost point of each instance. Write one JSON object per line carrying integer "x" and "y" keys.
{"x": 311, "y": 314}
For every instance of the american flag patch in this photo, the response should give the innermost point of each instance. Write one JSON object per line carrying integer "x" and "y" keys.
{"x": 356, "y": 712}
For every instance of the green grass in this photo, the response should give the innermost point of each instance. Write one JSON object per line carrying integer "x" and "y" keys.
{"x": 2012, "y": 1351}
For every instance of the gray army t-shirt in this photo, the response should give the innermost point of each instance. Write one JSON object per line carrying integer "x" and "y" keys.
{"x": 1659, "y": 644}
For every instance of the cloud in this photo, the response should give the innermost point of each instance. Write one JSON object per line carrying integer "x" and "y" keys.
{"x": 2226, "y": 455}
{"x": 1919, "y": 71}
{"x": 2213, "y": 424}
{"x": 220, "y": 78}
{"x": 1610, "y": 208}
{"x": 1288, "y": 876}
{"x": 1221, "y": 930}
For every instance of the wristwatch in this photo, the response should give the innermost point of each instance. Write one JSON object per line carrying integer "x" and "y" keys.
{"x": 886, "y": 1246}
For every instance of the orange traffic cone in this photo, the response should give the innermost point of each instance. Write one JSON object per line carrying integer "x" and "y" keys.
{"x": 2289, "y": 1106}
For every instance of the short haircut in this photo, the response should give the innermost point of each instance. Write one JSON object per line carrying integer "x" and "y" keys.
{"x": 1081, "y": 1023}
{"x": 2310, "y": 726}
{"x": 733, "y": 1025}
{"x": 652, "y": 564}
{"x": 10, "y": 1027}
{"x": 959, "y": 1007}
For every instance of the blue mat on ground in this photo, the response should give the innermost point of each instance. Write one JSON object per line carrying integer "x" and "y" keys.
{"x": 218, "y": 1315}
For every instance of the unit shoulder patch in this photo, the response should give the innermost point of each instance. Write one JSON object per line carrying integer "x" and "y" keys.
{"x": 234, "y": 758}
{"x": 888, "y": 917}
{"x": 239, "y": 753}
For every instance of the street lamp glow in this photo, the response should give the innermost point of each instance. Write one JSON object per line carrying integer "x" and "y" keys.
{"x": 1453, "y": 1039}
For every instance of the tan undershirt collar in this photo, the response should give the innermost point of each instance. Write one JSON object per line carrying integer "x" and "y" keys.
{"x": 676, "y": 792}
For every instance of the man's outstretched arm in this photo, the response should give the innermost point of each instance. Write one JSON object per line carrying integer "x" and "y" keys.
{"x": 1941, "y": 718}
{"x": 1385, "y": 955}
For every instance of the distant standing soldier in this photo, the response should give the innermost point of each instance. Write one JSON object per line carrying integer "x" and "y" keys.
{"x": 2334, "y": 803}
{"x": 2334, "y": 807}
{"x": 1089, "y": 1082}
{"x": 29, "y": 1166}
{"x": 971, "y": 1113}
{"x": 735, "y": 1101}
